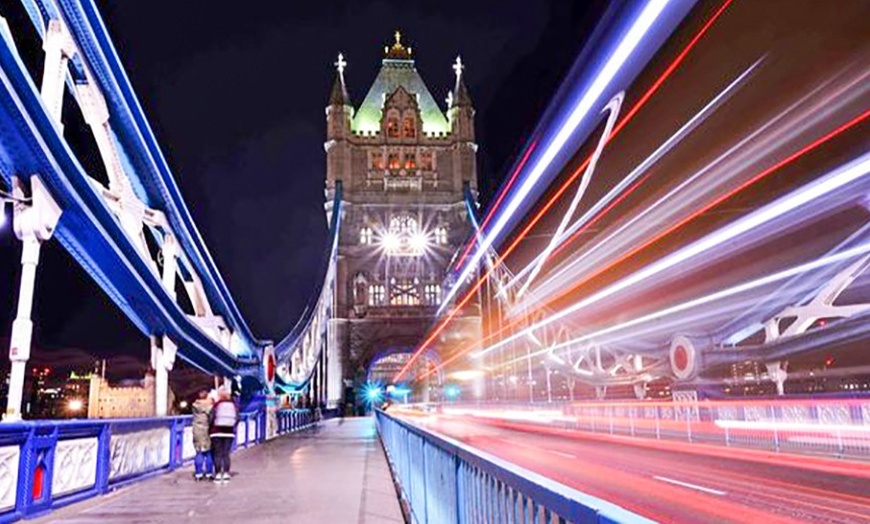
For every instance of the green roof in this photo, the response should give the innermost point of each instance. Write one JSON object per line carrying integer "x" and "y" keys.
{"x": 395, "y": 73}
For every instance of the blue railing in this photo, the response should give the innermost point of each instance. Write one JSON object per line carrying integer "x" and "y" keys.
{"x": 48, "y": 464}
{"x": 445, "y": 481}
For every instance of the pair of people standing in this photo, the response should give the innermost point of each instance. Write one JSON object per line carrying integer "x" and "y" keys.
{"x": 214, "y": 428}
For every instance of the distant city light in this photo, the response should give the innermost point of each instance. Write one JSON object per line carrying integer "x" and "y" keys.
{"x": 75, "y": 405}
{"x": 373, "y": 393}
{"x": 452, "y": 391}
{"x": 183, "y": 404}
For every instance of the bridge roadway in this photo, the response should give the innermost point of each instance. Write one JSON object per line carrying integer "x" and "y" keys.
{"x": 671, "y": 481}
{"x": 334, "y": 473}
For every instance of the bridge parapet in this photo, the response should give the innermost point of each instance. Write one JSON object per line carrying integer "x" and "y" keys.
{"x": 48, "y": 464}
{"x": 443, "y": 480}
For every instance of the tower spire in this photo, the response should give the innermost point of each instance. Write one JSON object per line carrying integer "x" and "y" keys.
{"x": 460, "y": 96}
{"x": 338, "y": 95}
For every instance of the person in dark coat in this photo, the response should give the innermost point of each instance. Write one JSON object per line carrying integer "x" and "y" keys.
{"x": 203, "y": 465}
{"x": 224, "y": 417}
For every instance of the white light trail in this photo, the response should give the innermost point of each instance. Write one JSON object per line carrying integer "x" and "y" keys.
{"x": 806, "y": 194}
{"x": 798, "y": 117}
{"x": 713, "y": 297}
{"x": 612, "y": 110}
{"x": 643, "y": 167}
{"x": 626, "y": 47}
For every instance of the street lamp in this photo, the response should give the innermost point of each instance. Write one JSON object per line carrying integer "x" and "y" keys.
{"x": 75, "y": 405}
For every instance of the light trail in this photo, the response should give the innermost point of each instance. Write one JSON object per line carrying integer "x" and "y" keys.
{"x": 717, "y": 172}
{"x": 639, "y": 171}
{"x": 476, "y": 238}
{"x": 834, "y": 181}
{"x": 675, "y": 63}
{"x": 661, "y": 234}
{"x": 713, "y": 297}
{"x": 615, "y": 62}
{"x": 612, "y": 110}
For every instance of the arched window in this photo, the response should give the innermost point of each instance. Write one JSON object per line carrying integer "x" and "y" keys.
{"x": 377, "y": 295}
{"x": 403, "y": 237}
{"x": 432, "y": 294}
{"x": 392, "y": 125}
{"x": 403, "y": 225}
{"x": 410, "y": 161}
{"x": 403, "y": 292}
{"x": 377, "y": 160}
{"x": 365, "y": 235}
{"x": 426, "y": 161}
{"x": 360, "y": 289}
{"x": 393, "y": 163}
{"x": 441, "y": 235}
{"x": 409, "y": 127}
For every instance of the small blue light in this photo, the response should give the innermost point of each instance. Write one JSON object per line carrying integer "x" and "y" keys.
{"x": 452, "y": 391}
{"x": 373, "y": 393}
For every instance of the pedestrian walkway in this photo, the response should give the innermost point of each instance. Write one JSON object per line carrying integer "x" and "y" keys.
{"x": 335, "y": 473}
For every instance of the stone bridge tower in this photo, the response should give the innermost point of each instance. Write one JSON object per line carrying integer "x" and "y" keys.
{"x": 404, "y": 166}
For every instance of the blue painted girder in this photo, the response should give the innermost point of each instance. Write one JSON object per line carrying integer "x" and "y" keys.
{"x": 29, "y": 144}
{"x": 141, "y": 156}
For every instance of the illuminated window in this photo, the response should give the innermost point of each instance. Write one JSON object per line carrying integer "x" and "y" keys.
{"x": 403, "y": 237}
{"x": 426, "y": 161}
{"x": 403, "y": 225}
{"x": 410, "y": 161}
{"x": 365, "y": 235}
{"x": 409, "y": 128}
{"x": 392, "y": 127}
{"x": 377, "y": 295}
{"x": 377, "y": 160}
{"x": 403, "y": 292}
{"x": 432, "y": 294}
{"x": 441, "y": 235}
{"x": 393, "y": 163}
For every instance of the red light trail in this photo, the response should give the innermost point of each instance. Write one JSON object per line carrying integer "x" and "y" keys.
{"x": 619, "y": 126}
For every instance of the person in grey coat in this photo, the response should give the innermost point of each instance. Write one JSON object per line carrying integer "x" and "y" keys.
{"x": 202, "y": 462}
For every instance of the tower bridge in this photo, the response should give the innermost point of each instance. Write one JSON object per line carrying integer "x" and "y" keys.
{"x": 686, "y": 229}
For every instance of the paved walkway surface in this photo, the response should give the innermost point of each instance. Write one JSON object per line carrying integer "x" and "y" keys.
{"x": 336, "y": 473}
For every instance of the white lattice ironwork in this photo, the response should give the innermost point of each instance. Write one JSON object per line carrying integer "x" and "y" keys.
{"x": 9, "y": 458}
{"x": 75, "y": 465}
{"x": 138, "y": 452}
{"x": 123, "y": 195}
{"x": 802, "y": 317}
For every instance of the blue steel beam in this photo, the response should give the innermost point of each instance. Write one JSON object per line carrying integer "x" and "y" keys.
{"x": 30, "y": 144}
{"x": 142, "y": 158}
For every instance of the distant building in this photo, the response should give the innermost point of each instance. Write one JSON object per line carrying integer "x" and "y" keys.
{"x": 130, "y": 399}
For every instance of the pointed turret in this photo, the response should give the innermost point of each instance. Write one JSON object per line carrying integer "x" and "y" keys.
{"x": 460, "y": 111}
{"x": 339, "y": 114}
{"x": 338, "y": 96}
{"x": 460, "y": 97}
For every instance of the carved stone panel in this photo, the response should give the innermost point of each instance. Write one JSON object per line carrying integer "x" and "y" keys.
{"x": 9, "y": 457}
{"x": 138, "y": 452}
{"x": 75, "y": 465}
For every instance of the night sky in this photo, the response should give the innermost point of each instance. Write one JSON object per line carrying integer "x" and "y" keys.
{"x": 236, "y": 98}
